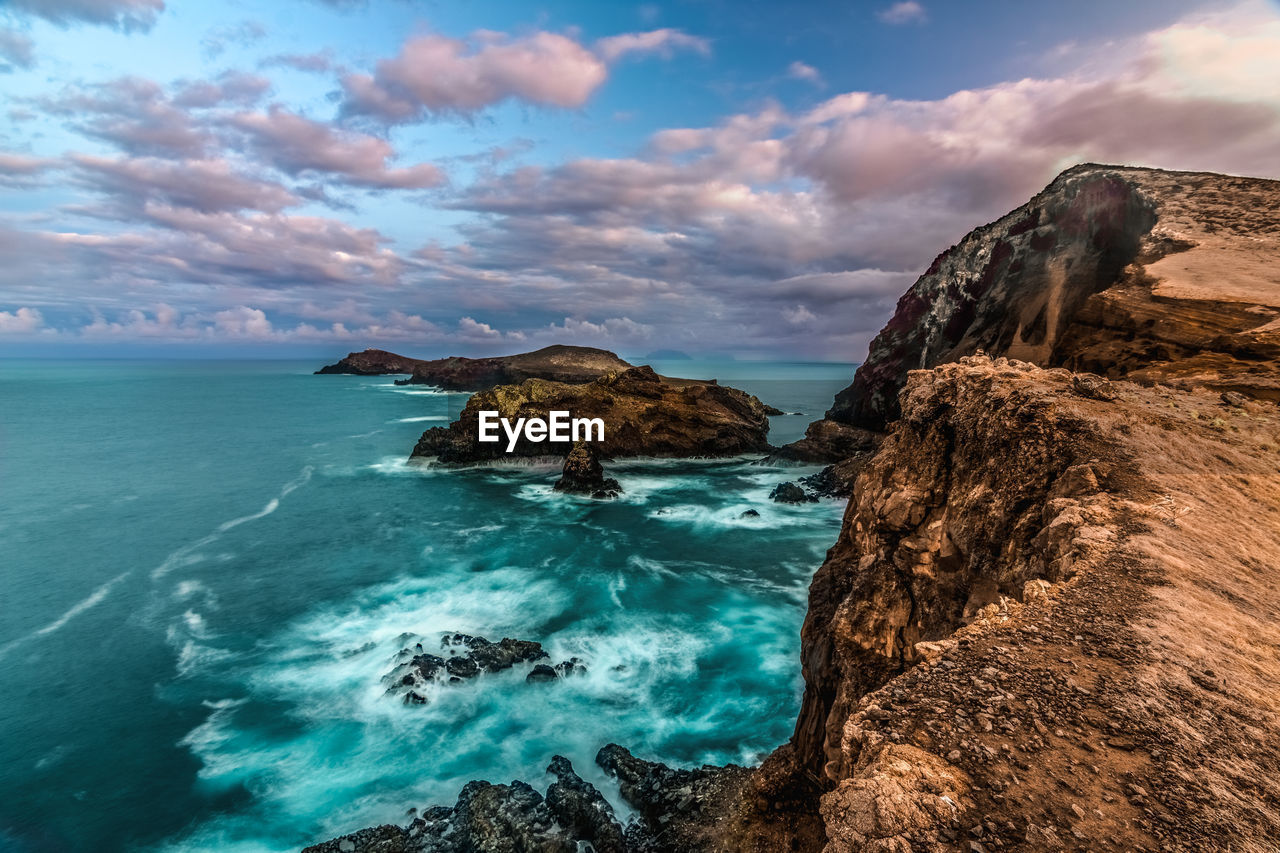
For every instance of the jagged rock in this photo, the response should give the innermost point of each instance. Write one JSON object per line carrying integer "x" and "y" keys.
{"x": 644, "y": 415}
{"x": 827, "y": 441}
{"x": 581, "y": 809}
{"x": 750, "y": 513}
{"x": 1092, "y": 386}
{"x": 542, "y": 672}
{"x": 935, "y": 534}
{"x": 583, "y": 474}
{"x": 1143, "y": 274}
{"x": 512, "y": 818}
{"x": 903, "y": 793}
{"x": 790, "y": 493}
{"x": 836, "y": 481}
{"x": 464, "y": 657}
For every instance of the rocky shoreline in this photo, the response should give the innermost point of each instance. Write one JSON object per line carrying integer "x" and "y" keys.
{"x": 1048, "y": 621}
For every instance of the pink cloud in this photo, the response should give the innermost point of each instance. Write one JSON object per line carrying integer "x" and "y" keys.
{"x": 296, "y": 145}
{"x": 436, "y": 74}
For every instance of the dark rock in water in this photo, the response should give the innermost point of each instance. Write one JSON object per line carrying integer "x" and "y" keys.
{"x": 584, "y": 475}
{"x": 581, "y": 809}
{"x": 827, "y": 441}
{"x": 771, "y": 410}
{"x": 751, "y": 513}
{"x": 495, "y": 657}
{"x": 790, "y": 493}
{"x": 644, "y": 414}
{"x": 464, "y": 657}
{"x": 572, "y": 666}
{"x": 464, "y": 667}
{"x": 542, "y": 672}
{"x": 836, "y": 481}
{"x": 501, "y": 819}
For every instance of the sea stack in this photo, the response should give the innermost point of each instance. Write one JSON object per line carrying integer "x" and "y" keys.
{"x": 584, "y": 475}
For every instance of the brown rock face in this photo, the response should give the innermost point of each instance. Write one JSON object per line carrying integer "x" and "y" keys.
{"x": 1153, "y": 275}
{"x": 644, "y": 415}
{"x": 555, "y": 363}
{"x": 974, "y": 493}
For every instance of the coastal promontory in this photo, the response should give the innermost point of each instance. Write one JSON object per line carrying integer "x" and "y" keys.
{"x": 558, "y": 363}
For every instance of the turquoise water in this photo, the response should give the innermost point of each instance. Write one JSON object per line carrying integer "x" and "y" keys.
{"x": 207, "y": 566}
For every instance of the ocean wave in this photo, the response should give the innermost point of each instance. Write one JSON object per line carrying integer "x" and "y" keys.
{"x": 419, "y": 419}
{"x": 189, "y": 554}
{"x": 92, "y": 600}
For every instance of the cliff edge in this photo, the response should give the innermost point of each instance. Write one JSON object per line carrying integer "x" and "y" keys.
{"x": 1127, "y": 272}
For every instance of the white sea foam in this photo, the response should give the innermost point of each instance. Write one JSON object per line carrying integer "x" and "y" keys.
{"x": 92, "y": 600}
{"x": 420, "y": 419}
{"x": 189, "y": 554}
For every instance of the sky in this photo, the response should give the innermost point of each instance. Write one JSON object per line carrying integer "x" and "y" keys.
{"x": 763, "y": 180}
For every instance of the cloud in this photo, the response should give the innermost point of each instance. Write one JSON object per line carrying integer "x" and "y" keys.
{"x": 243, "y": 34}
{"x": 124, "y": 15}
{"x": 23, "y": 321}
{"x": 208, "y": 186}
{"x": 664, "y": 42}
{"x": 20, "y": 170}
{"x": 314, "y": 63}
{"x": 298, "y": 146}
{"x": 230, "y": 88}
{"x": 800, "y": 71}
{"x": 16, "y": 49}
{"x": 434, "y": 74}
{"x": 135, "y": 115}
{"x": 906, "y": 12}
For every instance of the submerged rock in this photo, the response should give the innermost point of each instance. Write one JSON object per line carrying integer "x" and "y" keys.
{"x": 584, "y": 475}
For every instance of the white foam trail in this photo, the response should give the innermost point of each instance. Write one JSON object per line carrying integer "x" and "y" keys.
{"x": 419, "y": 420}
{"x": 95, "y": 598}
{"x": 186, "y": 555}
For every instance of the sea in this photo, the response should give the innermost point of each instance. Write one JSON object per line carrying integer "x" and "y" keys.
{"x": 207, "y": 567}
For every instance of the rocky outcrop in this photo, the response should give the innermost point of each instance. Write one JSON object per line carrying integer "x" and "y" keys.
{"x": 372, "y": 362}
{"x": 556, "y": 363}
{"x": 1141, "y": 273}
{"x": 644, "y": 415}
{"x": 501, "y": 819}
{"x": 584, "y": 475}
{"x": 462, "y": 657}
{"x": 827, "y": 441}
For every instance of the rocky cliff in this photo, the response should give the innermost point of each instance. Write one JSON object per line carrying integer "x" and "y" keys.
{"x": 554, "y": 363}
{"x": 644, "y": 415}
{"x": 1154, "y": 275}
{"x": 1049, "y": 621}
